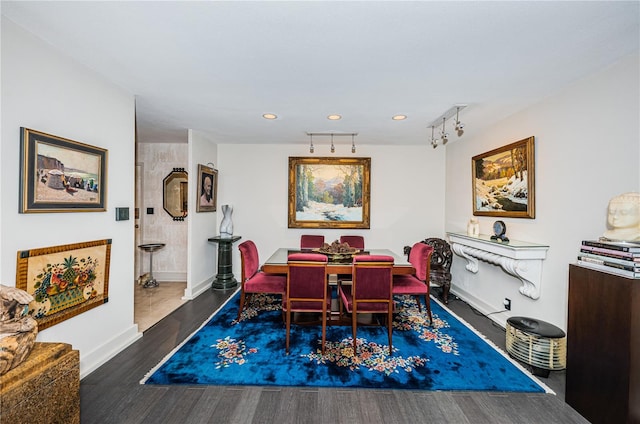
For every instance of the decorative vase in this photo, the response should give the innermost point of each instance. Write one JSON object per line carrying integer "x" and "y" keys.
{"x": 473, "y": 227}
{"x": 226, "y": 226}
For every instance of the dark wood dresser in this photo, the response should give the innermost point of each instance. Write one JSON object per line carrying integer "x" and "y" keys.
{"x": 603, "y": 346}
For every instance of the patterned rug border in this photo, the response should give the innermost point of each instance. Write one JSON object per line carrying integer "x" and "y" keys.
{"x": 433, "y": 299}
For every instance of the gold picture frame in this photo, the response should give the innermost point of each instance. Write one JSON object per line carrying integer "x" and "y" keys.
{"x": 65, "y": 280}
{"x": 60, "y": 175}
{"x": 503, "y": 181}
{"x": 329, "y": 192}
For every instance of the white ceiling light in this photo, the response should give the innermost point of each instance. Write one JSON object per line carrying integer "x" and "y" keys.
{"x": 334, "y": 117}
{"x": 269, "y": 116}
{"x": 399, "y": 117}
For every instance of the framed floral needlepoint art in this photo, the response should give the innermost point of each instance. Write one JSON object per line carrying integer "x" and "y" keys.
{"x": 329, "y": 192}
{"x": 65, "y": 280}
{"x": 60, "y": 175}
{"x": 503, "y": 181}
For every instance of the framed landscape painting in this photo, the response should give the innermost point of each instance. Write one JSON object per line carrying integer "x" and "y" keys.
{"x": 503, "y": 181}
{"x": 329, "y": 192}
{"x": 65, "y": 280}
{"x": 60, "y": 175}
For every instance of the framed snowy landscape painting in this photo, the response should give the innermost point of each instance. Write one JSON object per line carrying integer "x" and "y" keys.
{"x": 329, "y": 192}
{"x": 503, "y": 181}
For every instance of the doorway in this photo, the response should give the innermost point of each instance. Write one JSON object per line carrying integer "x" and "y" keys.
{"x": 153, "y": 303}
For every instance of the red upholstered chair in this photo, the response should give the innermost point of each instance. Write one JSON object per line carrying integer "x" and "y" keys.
{"x": 307, "y": 289}
{"x": 353, "y": 241}
{"x": 418, "y": 283}
{"x": 308, "y": 241}
{"x": 370, "y": 291}
{"x": 254, "y": 280}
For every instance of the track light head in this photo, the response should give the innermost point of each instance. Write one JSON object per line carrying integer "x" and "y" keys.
{"x": 444, "y": 136}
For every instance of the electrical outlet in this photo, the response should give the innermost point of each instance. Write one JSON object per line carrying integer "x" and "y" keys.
{"x": 507, "y": 304}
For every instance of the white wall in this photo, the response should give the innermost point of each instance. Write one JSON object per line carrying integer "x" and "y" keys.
{"x": 44, "y": 90}
{"x": 407, "y": 188}
{"x": 202, "y": 253}
{"x": 587, "y": 143}
{"x": 159, "y": 159}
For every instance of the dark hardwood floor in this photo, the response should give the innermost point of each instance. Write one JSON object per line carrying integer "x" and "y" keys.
{"x": 112, "y": 393}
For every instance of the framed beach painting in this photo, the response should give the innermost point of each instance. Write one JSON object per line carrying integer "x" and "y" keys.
{"x": 503, "y": 181}
{"x": 65, "y": 280}
{"x": 329, "y": 192}
{"x": 60, "y": 175}
{"x": 207, "y": 189}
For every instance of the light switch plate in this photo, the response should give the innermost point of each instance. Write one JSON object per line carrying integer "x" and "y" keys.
{"x": 122, "y": 214}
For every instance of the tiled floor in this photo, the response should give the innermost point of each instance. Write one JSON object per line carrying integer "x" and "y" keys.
{"x": 154, "y": 303}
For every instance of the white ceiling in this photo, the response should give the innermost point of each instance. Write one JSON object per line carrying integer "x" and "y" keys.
{"x": 218, "y": 66}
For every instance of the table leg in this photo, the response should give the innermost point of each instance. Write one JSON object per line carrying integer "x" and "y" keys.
{"x": 151, "y": 282}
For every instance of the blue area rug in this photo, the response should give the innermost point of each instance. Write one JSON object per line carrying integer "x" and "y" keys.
{"x": 447, "y": 355}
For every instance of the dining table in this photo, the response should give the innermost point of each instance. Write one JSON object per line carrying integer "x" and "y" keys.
{"x": 277, "y": 262}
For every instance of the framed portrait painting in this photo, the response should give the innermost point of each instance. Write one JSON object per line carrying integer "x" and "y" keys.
{"x": 60, "y": 175}
{"x": 329, "y": 192}
{"x": 207, "y": 189}
{"x": 503, "y": 181}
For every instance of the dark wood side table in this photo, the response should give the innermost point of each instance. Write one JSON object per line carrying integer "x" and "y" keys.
{"x": 224, "y": 279}
{"x": 603, "y": 346}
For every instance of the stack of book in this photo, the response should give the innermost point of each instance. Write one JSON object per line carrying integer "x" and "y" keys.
{"x": 615, "y": 257}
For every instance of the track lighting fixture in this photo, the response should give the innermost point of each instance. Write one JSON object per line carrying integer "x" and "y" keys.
{"x": 459, "y": 125}
{"x": 331, "y": 134}
{"x": 442, "y": 120}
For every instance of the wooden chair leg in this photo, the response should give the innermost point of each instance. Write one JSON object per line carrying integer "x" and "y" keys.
{"x": 241, "y": 305}
{"x": 324, "y": 329}
{"x": 427, "y": 301}
{"x": 354, "y": 327}
{"x": 288, "y": 325}
{"x": 419, "y": 304}
{"x": 389, "y": 328}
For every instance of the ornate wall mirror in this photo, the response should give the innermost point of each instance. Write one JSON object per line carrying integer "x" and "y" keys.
{"x": 175, "y": 194}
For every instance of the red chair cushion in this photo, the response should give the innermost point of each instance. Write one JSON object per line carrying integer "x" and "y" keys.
{"x": 266, "y": 283}
{"x": 408, "y": 284}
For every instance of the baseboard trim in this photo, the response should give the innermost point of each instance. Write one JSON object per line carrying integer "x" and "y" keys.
{"x": 106, "y": 351}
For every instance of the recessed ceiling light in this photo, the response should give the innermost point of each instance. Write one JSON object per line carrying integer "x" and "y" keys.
{"x": 334, "y": 117}
{"x": 399, "y": 117}
{"x": 269, "y": 116}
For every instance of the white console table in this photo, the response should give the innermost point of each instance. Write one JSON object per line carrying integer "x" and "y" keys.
{"x": 520, "y": 259}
